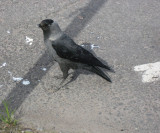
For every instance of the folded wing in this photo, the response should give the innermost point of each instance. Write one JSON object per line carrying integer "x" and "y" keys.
{"x": 68, "y": 49}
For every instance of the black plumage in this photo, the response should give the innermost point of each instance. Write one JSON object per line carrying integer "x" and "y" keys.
{"x": 66, "y": 48}
{"x": 68, "y": 54}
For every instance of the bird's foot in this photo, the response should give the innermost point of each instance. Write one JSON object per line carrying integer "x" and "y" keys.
{"x": 61, "y": 86}
{"x": 58, "y": 77}
{"x": 57, "y": 88}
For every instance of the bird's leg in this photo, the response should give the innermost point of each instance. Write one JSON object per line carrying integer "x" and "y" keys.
{"x": 64, "y": 69}
{"x": 65, "y": 75}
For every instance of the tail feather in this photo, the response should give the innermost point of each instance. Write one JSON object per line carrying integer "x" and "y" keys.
{"x": 99, "y": 72}
{"x": 101, "y": 64}
{"x": 107, "y": 67}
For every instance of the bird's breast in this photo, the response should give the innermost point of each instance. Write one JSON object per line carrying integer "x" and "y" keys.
{"x": 51, "y": 51}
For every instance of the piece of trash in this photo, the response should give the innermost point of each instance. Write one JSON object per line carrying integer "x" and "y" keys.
{"x": 80, "y": 17}
{"x": 89, "y": 46}
{"x": 44, "y": 69}
{"x": 98, "y": 37}
{"x": 9, "y": 72}
{"x": 26, "y": 82}
{"x": 3, "y": 65}
{"x": 17, "y": 79}
{"x": 1, "y": 86}
{"x": 8, "y": 32}
{"x": 94, "y": 46}
{"x": 29, "y": 40}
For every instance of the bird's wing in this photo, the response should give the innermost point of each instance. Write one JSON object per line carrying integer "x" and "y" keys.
{"x": 68, "y": 49}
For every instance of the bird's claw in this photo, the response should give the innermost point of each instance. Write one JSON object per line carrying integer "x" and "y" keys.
{"x": 58, "y": 77}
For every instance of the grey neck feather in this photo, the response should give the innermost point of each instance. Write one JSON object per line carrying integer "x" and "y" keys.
{"x": 53, "y": 33}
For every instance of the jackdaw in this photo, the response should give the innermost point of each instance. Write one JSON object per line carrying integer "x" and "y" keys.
{"x": 68, "y": 54}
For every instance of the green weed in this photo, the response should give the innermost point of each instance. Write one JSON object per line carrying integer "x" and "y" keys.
{"x": 8, "y": 116}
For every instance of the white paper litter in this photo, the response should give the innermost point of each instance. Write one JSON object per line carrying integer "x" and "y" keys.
{"x": 94, "y": 46}
{"x": 29, "y": 40}
{"x": 3, "y": 65}
{"x": 44, "y": 69}
{"x": 8, "y": 32}
{"x": 26, "y": 82}
{"x": 17, "y": 78}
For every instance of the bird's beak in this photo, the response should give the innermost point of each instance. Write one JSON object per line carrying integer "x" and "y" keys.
{"x": 39, "y": 25}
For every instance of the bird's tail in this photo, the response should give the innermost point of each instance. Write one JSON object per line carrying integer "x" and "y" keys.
{"x": 106, "y": 66}
{"x": 99, "y": 72}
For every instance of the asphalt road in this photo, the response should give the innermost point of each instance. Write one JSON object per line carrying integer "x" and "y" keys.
{"x": 128, "y": 35}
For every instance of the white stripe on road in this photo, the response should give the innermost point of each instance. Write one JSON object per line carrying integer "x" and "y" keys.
{"x": 150, "y": 72}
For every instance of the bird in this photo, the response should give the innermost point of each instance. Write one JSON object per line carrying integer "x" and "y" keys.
{"x": 68, "y": 54}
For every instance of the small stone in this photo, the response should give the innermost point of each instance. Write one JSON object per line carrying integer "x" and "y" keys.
{"x": 80, "y": 17}
{"x": 8, "y": 32}
{"x": 27, "y": 130}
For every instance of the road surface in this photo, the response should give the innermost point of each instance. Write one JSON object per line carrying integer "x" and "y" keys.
{"x": 128, "y": 35}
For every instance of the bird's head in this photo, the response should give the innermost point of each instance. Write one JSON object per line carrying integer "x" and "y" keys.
{"x": 50, "y": 29}
{"x": 45, "y": 24}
